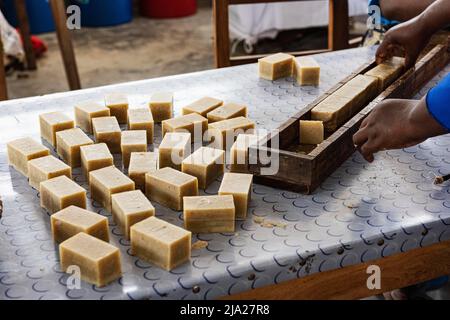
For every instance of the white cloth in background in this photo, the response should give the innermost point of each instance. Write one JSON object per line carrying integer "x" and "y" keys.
{"x": 251, "y": 22}
{"x": 12, "y": 45}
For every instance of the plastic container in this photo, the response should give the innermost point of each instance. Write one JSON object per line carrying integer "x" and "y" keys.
{"x": 168, "y": 8}
{"x": 104, "y": 13}
{"x": 39, "y": 15}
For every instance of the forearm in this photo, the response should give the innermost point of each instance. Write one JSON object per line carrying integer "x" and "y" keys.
{"x": 403, "y": 10}
{"x": 422, "y": 124}
{"x": 435, "y": 17}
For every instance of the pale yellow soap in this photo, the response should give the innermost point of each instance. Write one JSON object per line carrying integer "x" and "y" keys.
{"x": 161, "y": 106}
{"x": 208, "y": 214}
{"x": 52, "y": 122}
{"x": 306, "y": 71}
{"x": 223, "y": 133}
{"x": 142, "y": 119}
{"x": 129, "y": 208}
{"x": 118, "y": 106}
{"x": 387, "y": 72}
{"x": 140, "y": 164}
{"x": 238, "y": 185}
{"x": 95, "y": 156}
{"x": 107, "y": 181}
{"x": 61, "y": 192}
{"x": 97, "y": 260}
{"x": 107, "y": 130}
{"x": 239, "y": 157}
{"x": 69, "y": 143}
{"x": 20, "y": 151}
{"x": 202, "y": 106}
{"x": 192, "y": 123}
{"x": 161, "y": 243}
{"x": 275, "y": 66}
{"x": 86, "y": 111}
{"x": 227, "y": 111}
{"x": 206, "y": 164}
{"x": 44, "y": 168}
{"x": 168, "y": 186}
{"x": 174, "y": 147}
{"x": 132, "y": 141}
{"x": 311, "y": 132}
{"x": 73, "y": 220}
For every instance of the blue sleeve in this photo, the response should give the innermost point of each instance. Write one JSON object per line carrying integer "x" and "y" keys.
{"x": 438, "y": 102}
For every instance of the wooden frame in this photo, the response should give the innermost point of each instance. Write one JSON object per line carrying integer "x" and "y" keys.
{"x": 396, "y": 271}
{"x": 338, "y": 35}
{"x": 305, "y": 172}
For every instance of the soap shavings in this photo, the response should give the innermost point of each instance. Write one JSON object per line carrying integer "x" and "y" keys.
{"x": 200, "y": 244}
{"x": 269, "y": 223}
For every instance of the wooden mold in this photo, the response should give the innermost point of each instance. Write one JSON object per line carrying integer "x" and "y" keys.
{"x": 305, "y": 171}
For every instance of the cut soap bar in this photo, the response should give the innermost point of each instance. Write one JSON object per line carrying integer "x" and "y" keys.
{"x": 168, "y": 186}
{"x": 202, "y": 106}
{"x": 306, "y": 71}
{"x": 52, "y": 122}
{"x": 142, "y": 119}
{"x": 206, "y": 164}
{"x": 99, "y": 261}
{"x": 107, "y": 181}
{"x": 174, "y": 147}
{"x": 140, "y": 164}
{"x": 86, "y": 111}
{"x": 161, "y": 106}
{"x": 239, "y": 159}
{"x": 275, "y": 66}
{"x": 132, "y": 141}
{"x": 387, "y": 72}
{"x": 107, "y": 130}
{"x": 311, "y": 131}
{"x": 20, "y": 151}
{"x": 73, "y": 220}
{"x": 61, "y": 192}
{"x": 206, "y": 214}
{"x": 192, "y": 123}
{"x": 239, "y": 185}
{"x": 69, "y": 143}
{"x": 44, "y": 168}
{"x": 161, "y": 243}
{"x": 223, "y": 133}
{"x": 129, "y": 208}
{"x": 118, "y": 106}
{"x": 95, "y": 156}
{"x": 227, "y": 111}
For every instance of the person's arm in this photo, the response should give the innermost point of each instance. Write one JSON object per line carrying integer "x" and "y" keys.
{"x": 403, "y": 10}
{"x": 409, "y": 38}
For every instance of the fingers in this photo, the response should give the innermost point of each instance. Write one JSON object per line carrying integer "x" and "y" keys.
{"x": 360, "y": 137}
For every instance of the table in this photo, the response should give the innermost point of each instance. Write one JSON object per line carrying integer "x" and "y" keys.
{"x": 363, "y": 212}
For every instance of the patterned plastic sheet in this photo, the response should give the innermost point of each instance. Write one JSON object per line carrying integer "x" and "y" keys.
{"x": 362, "y": 212}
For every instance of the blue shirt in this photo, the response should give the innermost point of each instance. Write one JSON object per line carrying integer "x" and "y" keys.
{"x": 438, "y": 102}
{"x": 384, "y": 21}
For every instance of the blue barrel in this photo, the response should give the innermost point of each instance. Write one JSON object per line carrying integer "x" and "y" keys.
{"x": 39, "y": 15}
{"x": 103, "y": 13}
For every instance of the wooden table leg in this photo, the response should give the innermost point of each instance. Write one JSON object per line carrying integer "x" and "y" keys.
{"x": 221, "y": 33}
{"x": 65, "y": 44}
{"x": 338, "y": 27}
{"x": 24, "y": 27}
{"x": 3, "y": 86}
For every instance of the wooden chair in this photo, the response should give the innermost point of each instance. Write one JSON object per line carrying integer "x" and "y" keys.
{"x": 64, "y": 40}
{"x": 338, "y": 30}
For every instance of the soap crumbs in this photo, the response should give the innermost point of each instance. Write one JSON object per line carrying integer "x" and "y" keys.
{"x": 200, "y": 244}
{"x": 269, "y": 223}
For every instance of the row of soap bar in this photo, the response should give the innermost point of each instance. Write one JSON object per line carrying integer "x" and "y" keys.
{"x": 305, "y": 70}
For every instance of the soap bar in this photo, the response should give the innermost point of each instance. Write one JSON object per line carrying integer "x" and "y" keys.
{"x": 106, "y": 181}
{"x": 207, "y": 214}
{"x": 86, "y": 111}
{"x": 193, "y": 123}
{"x": 227, "y": 111}
{"x": 129, "y": 208}
{"x": 174, "y": 147}
{"x": 52, "y": 122}
{"x": 97, "y": 260}
{"x": 107, "y": 130}
{"x": 132, "y": 141}
{"x": 238, "y": 185}
{"x": 95, "y": 156}
{"x": 387, "y": 72}
{"x": 73, "y": 220}
{"x": 118, "y": 106}
{"x": 239, "y": 159}
{"x": 275, "y": 66}
{"x": 61, "y": 192}
{"x": 202, "y": 106}
{"x": 306, "y": 71}
{"x": 206, "y": 164}
{"x": 361, "y": 89}
{"x": 161, "y": 243}
{"x": 69, "y": 143}
{"x": 161, "y": 106}
{"x": 140, "y": 164}
{"x": 142, "y": 119}
{"x": 20, "y": 151}
{"x": 44, "y": 168}
{"x": 224, "y": 132}
{"x": 311, "y": 131}
{"x": 168, "y": 186}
